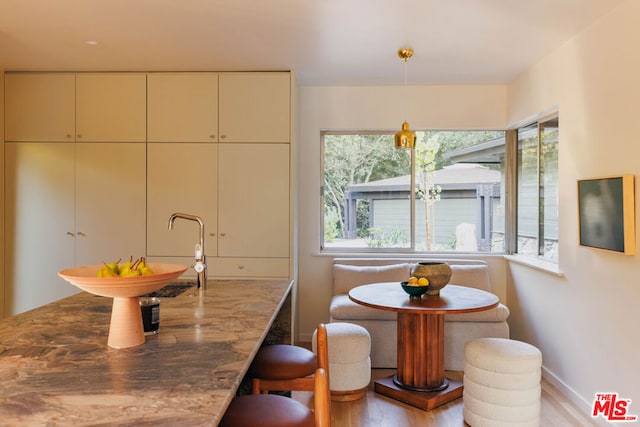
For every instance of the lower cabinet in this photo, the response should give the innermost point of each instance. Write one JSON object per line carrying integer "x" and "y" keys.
{"x": 234, "y": 267}
{"x": 71, "y": 204}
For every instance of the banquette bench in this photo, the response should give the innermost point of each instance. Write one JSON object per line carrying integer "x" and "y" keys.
{"x": 381, "y": 324}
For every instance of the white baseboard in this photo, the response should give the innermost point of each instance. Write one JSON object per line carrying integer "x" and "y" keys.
{"x": 583, "y": 405}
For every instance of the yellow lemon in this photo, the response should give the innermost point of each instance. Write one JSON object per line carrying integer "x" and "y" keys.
{"x": 413, "y": 281}
{"x": 423, "y": 281}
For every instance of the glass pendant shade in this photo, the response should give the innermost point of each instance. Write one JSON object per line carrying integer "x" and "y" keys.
{"x": 405, "y": 138}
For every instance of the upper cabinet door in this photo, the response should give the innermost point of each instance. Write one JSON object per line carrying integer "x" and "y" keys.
{"x": 255, "y": 107}
{"x": 182, "y": 107}
{"x": 111, "y": 107}
{"x": 40, "y": 107}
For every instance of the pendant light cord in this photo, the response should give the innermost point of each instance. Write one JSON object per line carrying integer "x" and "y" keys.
{"x": 405, "y": 90}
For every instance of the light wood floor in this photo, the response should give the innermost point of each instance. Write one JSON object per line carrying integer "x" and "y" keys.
{"x": 375, "y": 410}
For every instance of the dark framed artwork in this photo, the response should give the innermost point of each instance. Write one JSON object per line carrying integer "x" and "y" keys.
{"x": 606, "y": 210}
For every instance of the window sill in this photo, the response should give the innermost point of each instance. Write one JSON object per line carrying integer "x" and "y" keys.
{"x": 537, "y": 264}
{"x": 400, "y": 254}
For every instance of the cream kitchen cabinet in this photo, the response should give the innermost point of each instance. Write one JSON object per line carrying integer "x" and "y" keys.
{"x": 70, "y": 204}
{"x": 40, "y": 223}
{"x": 255, "y": 107}
{"x": 232, "y": 169}
{"x": 88, "y": 107}
{"x": 111, "y": 107}
{"x": 227, "y": 107}
{"x": 110, "y": 201}
{"x": 241, "y": 191}
{"x": 40, "y": 107}
{"x": 253, "y": 200}
{"x": 181, "y": 177}
{"x": 182, "y": 107}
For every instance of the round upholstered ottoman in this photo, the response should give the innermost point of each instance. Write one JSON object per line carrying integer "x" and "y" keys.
{"x": 349, "y": 347}
{"x": 501, "y": 383}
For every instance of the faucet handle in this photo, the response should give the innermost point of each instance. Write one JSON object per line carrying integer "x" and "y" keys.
{"x": 199, "y": 267}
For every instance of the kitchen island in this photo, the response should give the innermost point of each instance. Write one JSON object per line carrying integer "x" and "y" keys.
{"x": 57, "y": 370}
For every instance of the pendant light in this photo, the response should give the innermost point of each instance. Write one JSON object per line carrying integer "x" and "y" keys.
{"x": 405, "y": 138}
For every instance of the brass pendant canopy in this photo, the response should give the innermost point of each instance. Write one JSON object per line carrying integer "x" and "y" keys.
{"x": 406, "y": 138}
{"x": 405, "y": 53}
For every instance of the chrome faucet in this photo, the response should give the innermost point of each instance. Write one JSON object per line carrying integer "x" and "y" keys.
{"x": 201, "y": 263}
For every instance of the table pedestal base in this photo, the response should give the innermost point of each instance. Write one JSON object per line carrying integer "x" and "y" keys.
{"x": 426, "y": 400}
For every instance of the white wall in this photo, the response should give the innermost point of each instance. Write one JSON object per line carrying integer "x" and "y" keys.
{"x": 586, "y": 322}
{"x": 373, "y": 108}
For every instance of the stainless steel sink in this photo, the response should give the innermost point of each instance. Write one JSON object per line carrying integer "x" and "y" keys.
{"x": 172, "y": 290}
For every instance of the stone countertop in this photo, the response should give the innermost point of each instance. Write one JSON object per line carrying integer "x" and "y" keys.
{"x": 57, "y": 370}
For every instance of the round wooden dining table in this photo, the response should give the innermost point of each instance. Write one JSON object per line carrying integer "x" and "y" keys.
{"x": 420, "y": 379}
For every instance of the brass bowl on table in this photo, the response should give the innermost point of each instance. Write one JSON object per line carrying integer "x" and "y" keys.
{"x": 438, "y": 274}
{"x": 126, "y": 328}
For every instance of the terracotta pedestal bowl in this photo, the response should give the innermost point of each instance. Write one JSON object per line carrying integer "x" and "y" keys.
{"x": 126, "y": 328}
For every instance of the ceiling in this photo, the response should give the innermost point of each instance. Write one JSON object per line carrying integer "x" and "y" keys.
{"x": 326, "y": 42}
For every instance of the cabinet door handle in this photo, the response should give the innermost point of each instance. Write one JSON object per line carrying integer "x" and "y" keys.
{"x": 80, "y": 233}
{"x": 223, "y": 234}
{"x": 223, "y": 136}
{"x": 70, "y": 234}
{"x": 212, "y": 234}
{"x": 79, "y": 135}
{"x": 241, "y": 267}
{"x": 212, "y": 136}
{"x": 68, "y": 136}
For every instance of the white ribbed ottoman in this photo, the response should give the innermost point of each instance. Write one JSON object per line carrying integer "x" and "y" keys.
{"x": 501, "y": 383}
{"x": 349, "y": 348}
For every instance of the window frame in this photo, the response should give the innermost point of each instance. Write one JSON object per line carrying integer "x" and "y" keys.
{"x": 332, "y": 250}
{"x": 511, "y": 184}
{"x": 411, "y": 248}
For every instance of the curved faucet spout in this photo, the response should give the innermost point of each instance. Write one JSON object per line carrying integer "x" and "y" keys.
{"x": 200, "y": 266}
{"x": 189, "y": 217}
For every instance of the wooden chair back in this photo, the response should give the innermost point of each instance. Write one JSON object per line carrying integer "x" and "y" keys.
{"x": 322, "y": 399}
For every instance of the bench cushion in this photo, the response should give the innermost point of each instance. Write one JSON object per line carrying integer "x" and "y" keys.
{"x": 343, "y": 308}
{"x": 472, "y": 276}
{"x": 346, "y": 277}
{"x": 496, "y": 314}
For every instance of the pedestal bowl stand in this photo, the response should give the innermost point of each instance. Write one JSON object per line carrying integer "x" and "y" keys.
{"x": 126, "y": 328}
